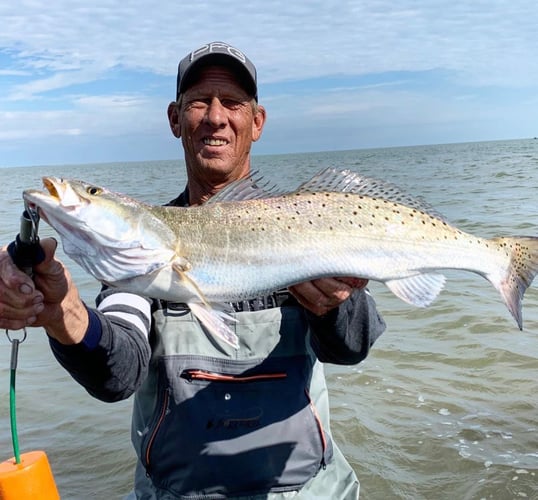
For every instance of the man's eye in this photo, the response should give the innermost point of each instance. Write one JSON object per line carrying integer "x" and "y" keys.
{"x": 231, "y": 103}
{"x": 196, "y": 104}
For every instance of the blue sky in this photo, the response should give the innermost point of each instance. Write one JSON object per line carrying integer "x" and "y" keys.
{"x": 85, "y": 82}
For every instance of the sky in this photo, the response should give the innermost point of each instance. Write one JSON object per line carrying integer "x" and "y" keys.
{"x": 88, "y": 82}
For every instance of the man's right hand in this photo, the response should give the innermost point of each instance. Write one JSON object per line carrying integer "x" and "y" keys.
{"x": 51, "y": 300}
{"x": 20, "y": 302}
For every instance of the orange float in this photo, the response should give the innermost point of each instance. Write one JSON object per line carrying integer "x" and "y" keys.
{"x": 31, "y": 479}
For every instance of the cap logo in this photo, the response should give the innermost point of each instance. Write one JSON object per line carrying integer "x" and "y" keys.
{"x": 219, "y": 48}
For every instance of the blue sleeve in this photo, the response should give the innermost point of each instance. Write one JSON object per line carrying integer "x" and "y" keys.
{"x": 112, "y": 360}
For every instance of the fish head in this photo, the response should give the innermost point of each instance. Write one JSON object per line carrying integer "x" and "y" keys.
{"x": 110, "y": 235}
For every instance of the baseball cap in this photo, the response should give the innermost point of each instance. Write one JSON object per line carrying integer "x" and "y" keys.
{"x": 222, "y": 54}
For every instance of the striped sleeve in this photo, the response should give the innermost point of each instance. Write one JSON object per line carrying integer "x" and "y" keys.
{"x": 113, "y": 359}
{"x": 127, "y": 307}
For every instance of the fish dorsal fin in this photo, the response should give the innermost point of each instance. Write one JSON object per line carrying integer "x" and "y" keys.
{"x": 345, "y": 181}
{"x": 255, "y": 187}
{"x": 252, "y": 187}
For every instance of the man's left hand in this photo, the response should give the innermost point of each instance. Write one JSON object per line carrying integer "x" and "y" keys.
{"x": 321, "y": 295}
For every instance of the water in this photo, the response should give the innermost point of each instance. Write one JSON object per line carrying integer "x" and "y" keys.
{"x": 445, "y": 406}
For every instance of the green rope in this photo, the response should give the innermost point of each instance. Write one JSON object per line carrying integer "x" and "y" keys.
{"x": 12, "y": 405}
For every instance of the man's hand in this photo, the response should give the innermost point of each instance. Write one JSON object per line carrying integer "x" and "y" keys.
{"x": 321, "y": 295}
{"x": 51, "y": 300}
{"x": 20, "y": 302}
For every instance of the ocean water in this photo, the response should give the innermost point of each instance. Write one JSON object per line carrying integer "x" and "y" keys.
{"x": 445, "y": 406}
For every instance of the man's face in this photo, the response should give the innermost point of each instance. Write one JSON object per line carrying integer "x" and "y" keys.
{"x": 217, "y": 124}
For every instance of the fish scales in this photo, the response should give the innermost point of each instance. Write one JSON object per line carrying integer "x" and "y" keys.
{"x": 245, "y": 242}
{"x": 336, "y": 233}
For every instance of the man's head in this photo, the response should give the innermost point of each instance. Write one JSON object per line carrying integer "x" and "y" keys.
{"x": 216, "y": 114}
{"x": 217, "y": 54}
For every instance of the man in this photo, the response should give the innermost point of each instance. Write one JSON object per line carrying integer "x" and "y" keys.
{"x": 210, "y": 421}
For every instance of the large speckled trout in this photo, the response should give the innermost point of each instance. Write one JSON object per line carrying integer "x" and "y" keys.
{"x": 248, "y": 241}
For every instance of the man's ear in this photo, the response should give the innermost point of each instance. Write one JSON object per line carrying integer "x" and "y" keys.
{"x": 258, "y": 123}
{"x": 173, "y": 119}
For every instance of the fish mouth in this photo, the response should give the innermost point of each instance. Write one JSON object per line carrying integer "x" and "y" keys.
{"x": 57, "y": 193}
{"x": 51, "y": 187}
{"x": 40, "y": 202}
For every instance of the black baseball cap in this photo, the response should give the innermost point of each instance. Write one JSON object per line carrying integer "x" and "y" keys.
{"x": 221, "y": 54}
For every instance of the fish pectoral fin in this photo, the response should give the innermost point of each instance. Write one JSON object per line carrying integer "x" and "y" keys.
{"x": 419, "y": 290}
{"x": 181, "y": 265}
{"x": 212, "y": 318}
{"x": 215, "y": 322}
{"x": 181, "y": 268}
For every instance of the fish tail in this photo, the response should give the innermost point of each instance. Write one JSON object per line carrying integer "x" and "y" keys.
{"x": 521, "y": 271}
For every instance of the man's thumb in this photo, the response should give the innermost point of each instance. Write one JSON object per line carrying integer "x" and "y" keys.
{"x": 48, "y": 245}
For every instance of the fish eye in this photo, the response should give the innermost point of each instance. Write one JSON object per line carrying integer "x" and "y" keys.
{"x": 93, "y": 190}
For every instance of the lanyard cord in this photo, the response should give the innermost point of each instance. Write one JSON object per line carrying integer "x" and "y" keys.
{"x": 12, "y": 394}
{"x": 25, "y": 252}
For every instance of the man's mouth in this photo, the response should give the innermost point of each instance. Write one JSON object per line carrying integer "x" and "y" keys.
{"x": 209, "y": 141}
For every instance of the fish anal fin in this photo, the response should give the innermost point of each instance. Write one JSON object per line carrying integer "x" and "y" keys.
{"x": 419, "y": 290}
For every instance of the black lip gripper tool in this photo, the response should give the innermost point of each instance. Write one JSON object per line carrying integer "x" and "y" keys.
{"x": 25, "y": 251}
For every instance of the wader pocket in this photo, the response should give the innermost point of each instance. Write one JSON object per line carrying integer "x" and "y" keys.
{"x": 227, "y": 427}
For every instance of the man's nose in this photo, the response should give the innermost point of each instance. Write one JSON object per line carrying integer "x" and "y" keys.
{"x": 216, "y": 113}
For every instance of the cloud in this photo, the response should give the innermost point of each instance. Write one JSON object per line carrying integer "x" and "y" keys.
{"x": 56, "y": 81}
{"x": 96, "y": 116}
{"x": 288, "y": 40}
{"x": 105, "y": 68}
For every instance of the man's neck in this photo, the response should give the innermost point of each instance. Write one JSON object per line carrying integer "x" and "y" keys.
{"x": 202, "y": 188}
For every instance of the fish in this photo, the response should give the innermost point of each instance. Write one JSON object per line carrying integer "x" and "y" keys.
{"x": 251, "y": 239}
